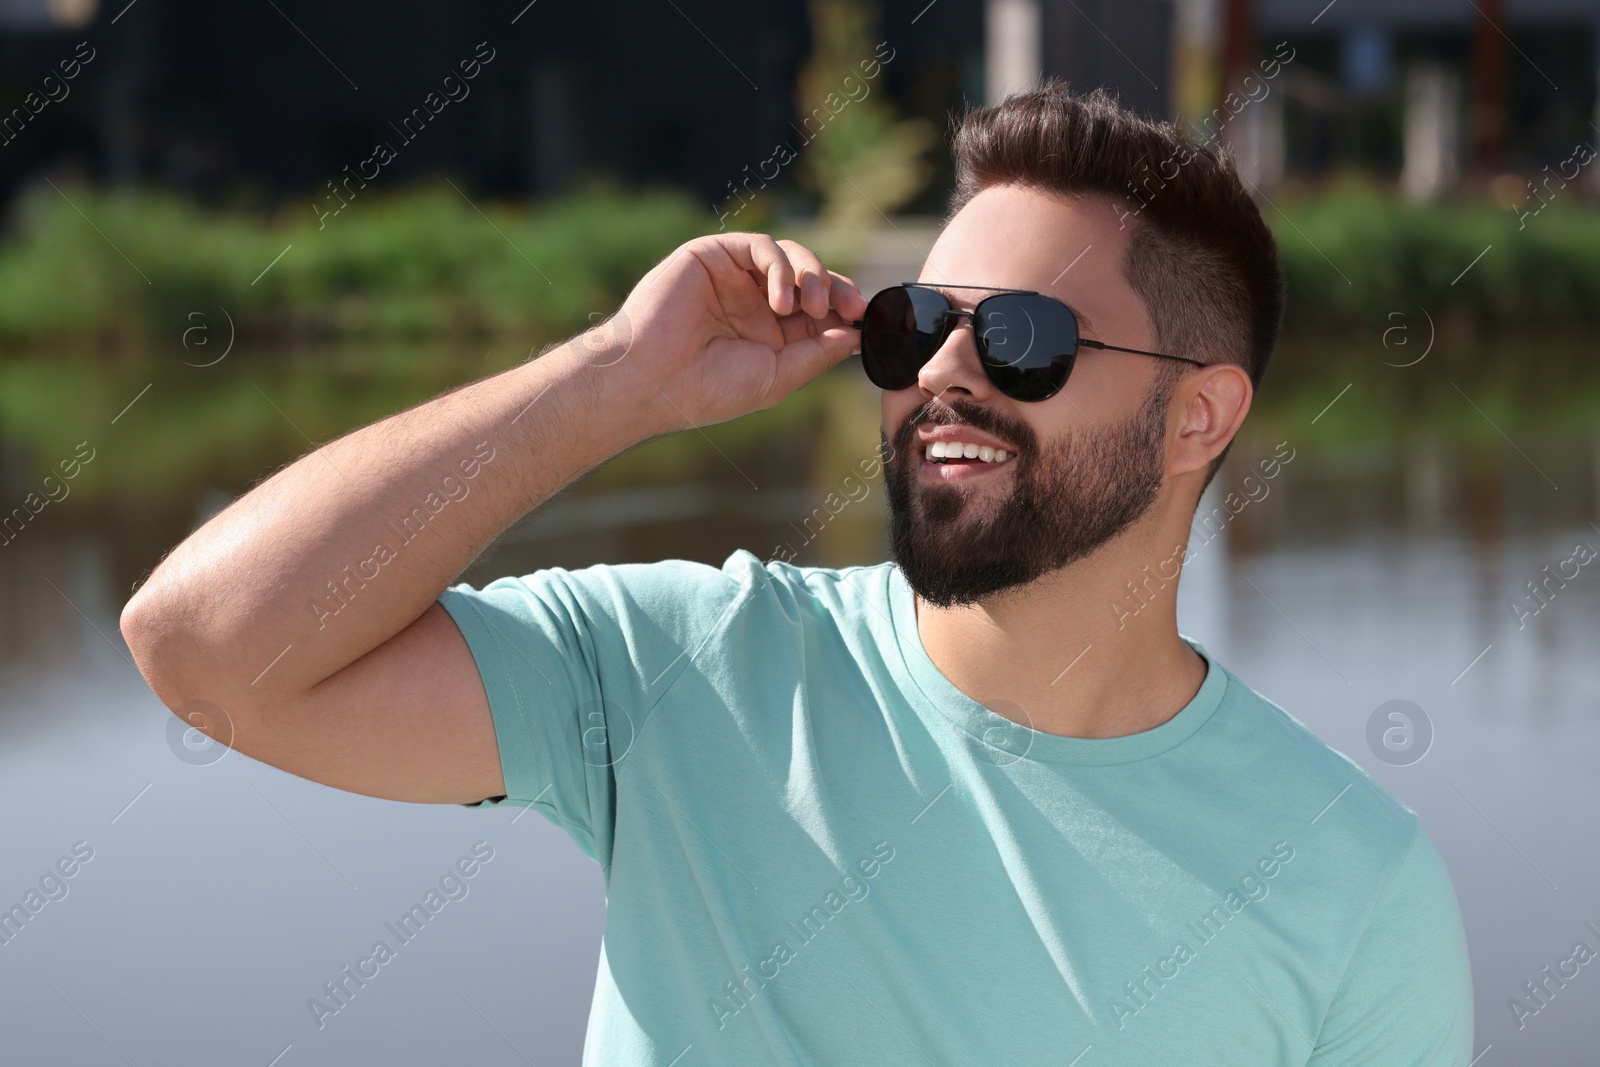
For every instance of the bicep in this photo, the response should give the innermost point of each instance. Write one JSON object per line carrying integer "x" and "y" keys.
{"x": 408, "y": 721}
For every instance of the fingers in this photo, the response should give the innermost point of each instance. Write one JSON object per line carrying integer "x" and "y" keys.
{"x": 814, "y": 280}
{"x": 788, "y": 266}
{"x": 821, "y": 288}
{"x": 780, "y": 269}
{"x": 847, "y": 298}
{"x": 760, "y": 256}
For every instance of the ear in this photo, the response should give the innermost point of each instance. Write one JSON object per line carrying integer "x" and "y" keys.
{"x": 1212, "y": 403}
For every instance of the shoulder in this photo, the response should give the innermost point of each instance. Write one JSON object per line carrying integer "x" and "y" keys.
{"x": 664, "y": 590}
{"x": 1372, "y": 881}
{"x": 837, "y": 591}
{"x": 680, "y": 600}
{"x": 1274, "y": 763}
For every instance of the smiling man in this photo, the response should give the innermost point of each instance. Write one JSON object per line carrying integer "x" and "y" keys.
{"x": 952, "y": 808}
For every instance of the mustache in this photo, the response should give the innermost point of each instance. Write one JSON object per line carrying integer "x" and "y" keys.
{"x": 959, "y": 412}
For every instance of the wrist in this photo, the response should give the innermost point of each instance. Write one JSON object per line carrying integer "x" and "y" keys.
{"x": 601, "y": 364}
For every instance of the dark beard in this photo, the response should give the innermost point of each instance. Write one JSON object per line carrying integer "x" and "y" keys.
{"x": 1066, "y": 501}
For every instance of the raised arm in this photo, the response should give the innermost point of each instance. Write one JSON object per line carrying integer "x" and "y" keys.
{"x": 300, "y": 625}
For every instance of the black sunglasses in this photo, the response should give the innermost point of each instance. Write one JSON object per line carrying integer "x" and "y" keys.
{"x": 1027, "y": 342}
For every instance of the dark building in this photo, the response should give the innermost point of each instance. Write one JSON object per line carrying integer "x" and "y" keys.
{"x": 1124, "y": 45}
{"x": 1500, "y": 84}
{"x": 283, "y": 95}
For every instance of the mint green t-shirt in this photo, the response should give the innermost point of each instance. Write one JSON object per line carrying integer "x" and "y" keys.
{"x": 817, "y": 850}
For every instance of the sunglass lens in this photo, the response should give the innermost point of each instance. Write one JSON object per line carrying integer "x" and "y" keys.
{"x": 1028, "y": 344}
{"x": 899, "y": 333}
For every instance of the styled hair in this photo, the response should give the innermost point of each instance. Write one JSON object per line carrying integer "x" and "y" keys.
{"x": 1199, "y": 254}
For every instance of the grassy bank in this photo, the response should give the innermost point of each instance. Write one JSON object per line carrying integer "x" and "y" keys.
{"x": 1356, "y": 255}
{"x": 127, "y": 269}
{"x": 120, "y": 270}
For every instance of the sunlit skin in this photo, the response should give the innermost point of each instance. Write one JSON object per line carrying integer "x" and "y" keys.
{"x": 1009, "y": 651}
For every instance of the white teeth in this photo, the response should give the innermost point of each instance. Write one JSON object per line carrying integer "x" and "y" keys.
{"x": 966, "y": 450}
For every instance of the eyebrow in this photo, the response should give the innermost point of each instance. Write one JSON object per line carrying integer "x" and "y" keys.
{"x": 1085, "y": 323}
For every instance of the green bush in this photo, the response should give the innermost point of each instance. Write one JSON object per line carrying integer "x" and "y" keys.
{"x": 129, "y": 267}
{"x": 1355, "y": 255}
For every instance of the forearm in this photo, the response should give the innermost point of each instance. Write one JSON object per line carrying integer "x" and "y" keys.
{"x": 335, "y": 554}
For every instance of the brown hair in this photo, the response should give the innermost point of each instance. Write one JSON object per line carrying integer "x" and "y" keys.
{"x": 1200, "y": 256}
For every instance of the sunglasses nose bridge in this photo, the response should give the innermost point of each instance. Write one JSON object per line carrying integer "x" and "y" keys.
{"x": 945, "y": 324}
{"x": 950, "y": 320}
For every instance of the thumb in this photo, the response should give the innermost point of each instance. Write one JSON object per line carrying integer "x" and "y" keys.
{"x": 802, "y": 360}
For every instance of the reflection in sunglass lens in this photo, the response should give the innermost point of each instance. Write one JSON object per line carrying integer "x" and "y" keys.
{"x": 1027, "y": 344}
{"x": 900, "y": 332}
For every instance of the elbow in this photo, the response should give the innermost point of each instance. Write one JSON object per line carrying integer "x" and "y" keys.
{"x": 149, "y": 638}
{"x": 157, "y": 644}
{"x": 161, "y": 648}
{"x": 134, "y": 622}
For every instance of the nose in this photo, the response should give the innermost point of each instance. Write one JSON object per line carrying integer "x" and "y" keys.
{"x": 955, "y": 366}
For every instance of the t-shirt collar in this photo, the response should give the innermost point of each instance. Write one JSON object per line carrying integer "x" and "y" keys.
{"x": 995, "y": 731}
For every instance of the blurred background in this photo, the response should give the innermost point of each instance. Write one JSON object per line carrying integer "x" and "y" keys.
{"x": 231, "y": 233}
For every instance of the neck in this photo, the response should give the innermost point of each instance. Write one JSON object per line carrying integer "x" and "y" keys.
{"x": 1078, "y": 650}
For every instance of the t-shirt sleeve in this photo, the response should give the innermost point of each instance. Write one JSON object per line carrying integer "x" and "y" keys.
{"x": 573, "y": 662}
{"x": 1406, "y": 996}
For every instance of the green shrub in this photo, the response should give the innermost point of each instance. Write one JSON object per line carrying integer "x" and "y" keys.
{"x": 129, "y": 267}
{"x": 1353, "y": 256}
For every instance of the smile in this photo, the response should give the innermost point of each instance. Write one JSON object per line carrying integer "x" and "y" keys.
{"x": 960, "y": 452}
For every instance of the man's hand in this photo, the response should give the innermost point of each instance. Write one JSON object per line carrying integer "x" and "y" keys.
{"x": 732, "y": 323}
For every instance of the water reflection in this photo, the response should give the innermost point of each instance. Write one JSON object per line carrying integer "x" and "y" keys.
{"x": 222, "y": 896}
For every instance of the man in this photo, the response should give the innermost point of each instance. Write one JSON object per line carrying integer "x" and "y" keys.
{"x": 966, "y": 807}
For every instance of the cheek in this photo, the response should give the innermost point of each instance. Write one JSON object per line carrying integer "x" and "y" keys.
{"x": 1106, "y": 387}
{"x": 897, "y": 407}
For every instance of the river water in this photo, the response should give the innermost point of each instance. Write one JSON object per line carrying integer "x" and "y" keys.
{"x": 211, "y": 897}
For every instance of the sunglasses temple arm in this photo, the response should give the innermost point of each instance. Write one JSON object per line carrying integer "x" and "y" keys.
{"x": 1085, "y": 343}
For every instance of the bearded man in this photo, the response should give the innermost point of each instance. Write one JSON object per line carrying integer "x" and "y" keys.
{"x": 950, "y": 809}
